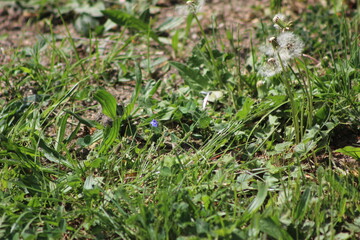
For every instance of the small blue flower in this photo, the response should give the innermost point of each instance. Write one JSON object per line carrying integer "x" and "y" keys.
{"x": 154, "y": 123}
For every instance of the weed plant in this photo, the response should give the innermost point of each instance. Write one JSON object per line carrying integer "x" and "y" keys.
{"x": 206, "y": 144}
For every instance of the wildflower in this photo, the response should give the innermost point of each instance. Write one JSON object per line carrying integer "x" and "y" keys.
{"x": 154, "y": 123}
{"x": 279, "y": 21}
{"x": 195, "y": 6}
{"x": 191, "y": 7}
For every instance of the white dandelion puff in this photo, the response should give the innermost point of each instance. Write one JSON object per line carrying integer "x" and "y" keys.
{"x": 268, "y": 50}
{"x": 272, "y": 67}
{"x": 281, "y": 49}
{"x": 290, "y": 45}
{"x": 286, "y": 46}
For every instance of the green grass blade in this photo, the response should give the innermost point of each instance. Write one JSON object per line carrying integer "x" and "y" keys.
{"x": 51, "y": 154}
{"x": 130, "y": 107}
{"x": 89, "y": 123}
{"x": 268, "y": 226}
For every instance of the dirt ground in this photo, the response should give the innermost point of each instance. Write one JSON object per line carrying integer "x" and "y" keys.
{"x": 21, "y": 27}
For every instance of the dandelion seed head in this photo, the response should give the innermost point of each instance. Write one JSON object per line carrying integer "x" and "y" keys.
{"x": 284, "y": 55}
{"x": 277, "y": 19}
{"x": 271, "y": 67}
{"x": 290, "y": 45}
{"x": 268, "y": 50}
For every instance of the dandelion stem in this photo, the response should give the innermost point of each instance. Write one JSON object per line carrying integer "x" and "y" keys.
{"x": 292, "y": 104}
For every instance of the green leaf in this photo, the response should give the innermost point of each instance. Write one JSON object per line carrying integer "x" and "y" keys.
{"x": 350, "y": 151}
{"x": 171, "y": 23}
{"x": 302, "y": 206}
{"x": 167, "y": 113}
{"x": 89, "y": 123}
{"x": 49, "y": 110}
{"x": 193, "y": 78}
{"x": 122, "y": 18}
{"x": 342, "y": 236}
{"x": 282, "y": 147}
{"x": 61, "y": 132}
{"x": 304, "y": 147}
{"x": 273, "y": 229}
{"x": 90, "y": 139}
{"x": 259, "y": 199}
{"x": 85, "y": 24}
{"x": 246, "y": 107}
{"x": 73, "y": 134}
{"x": 110, "y": 134}
{"x": 175, "y": 42}
{"x": 51, "y": 154}
{"x": 204, "y": 122}
{"x": 322, "y": 114}
{"x": 108, "y": 103}
{"x": 24, "y": 154}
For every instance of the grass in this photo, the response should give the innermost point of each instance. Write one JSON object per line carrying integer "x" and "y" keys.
{"x": 234, "y": 154}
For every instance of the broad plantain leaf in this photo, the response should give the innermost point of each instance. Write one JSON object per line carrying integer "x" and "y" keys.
{"x": 108, "y": 103}
{"x": 192, "y": 77}
{"x": 122, "y": 18}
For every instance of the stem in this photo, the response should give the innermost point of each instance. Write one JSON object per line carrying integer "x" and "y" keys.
{"x": 292, "y": 104}
{"x": 310, "y": 98}
{"x": 311, "y": 58}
